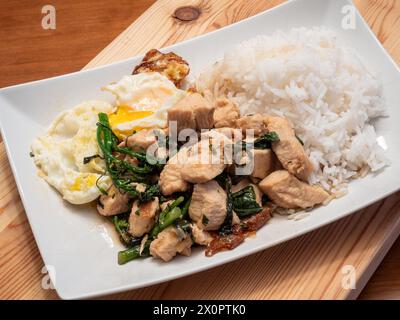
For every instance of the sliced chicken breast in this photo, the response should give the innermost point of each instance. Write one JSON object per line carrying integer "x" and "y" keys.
{"x": 142, "y": 217}
{"x": 203, "y": 111}
{"x": 171, "y": 180}
{"x": 263, "y": 160}
{"x": 203, "y": 161}
{"x": 226, "y": 113}
{"x": 252, "y": 122}
{"x": 169, "y": 242}
{"x": 201, "y": 236}
{"x": 287, "y": 191}
{"x": 193, "y": 112}
{"x": 115, "y": 202}
{"x": 183, "y": 115}
{"x": 224, "y": 136}
{"x": 288, "y": 149}
{"x": 140, "y": 141}
{"x": 208, "y": 205}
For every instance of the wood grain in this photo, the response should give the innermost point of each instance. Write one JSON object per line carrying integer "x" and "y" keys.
{"x": 28, "y": 52}
{"x": 307, "y": 267}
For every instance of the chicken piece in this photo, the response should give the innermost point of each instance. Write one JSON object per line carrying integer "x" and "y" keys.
{"x": 252, "y": 122}
{"x": 171, "y": 180}
{"x": 142, "y": 217}
{"x": 258, "y": 163}
{"x": 243, "y": 184}
{"x": 226, "y": 113}
{"x": 200, "y": 236}
{"x": 203, "y": 111}
{"x": 224, "y": 138}
{"x": 193, "y": 112}
{"x": 228, "y": 135}
{"x": 288, "y": 149}
{"x": 203, "y": 161}
{"x": 287, "y": 191}
{"x": 208, "y": 205}
{"x": 263, "y": 160}
{"x": 168, "y": 64}
{"x": 169, "y": 242}
{"x": 140, "y": 141}
{"x": 196, "y": 164}
{"x": 113, "y": 203}
{"x": 183, "y": 116}
{"x": 201, "y": 173}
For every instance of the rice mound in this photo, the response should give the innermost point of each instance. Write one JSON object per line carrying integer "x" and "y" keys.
{"x": 321, "y": 85}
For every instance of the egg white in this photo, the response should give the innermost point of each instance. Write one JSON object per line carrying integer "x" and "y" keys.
{"x": 60, "y": 151}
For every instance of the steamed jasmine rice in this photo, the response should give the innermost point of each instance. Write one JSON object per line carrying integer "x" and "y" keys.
{"x": 317, "y": 82}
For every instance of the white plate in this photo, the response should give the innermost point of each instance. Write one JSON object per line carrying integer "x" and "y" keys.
{"x": 82, "y": 247}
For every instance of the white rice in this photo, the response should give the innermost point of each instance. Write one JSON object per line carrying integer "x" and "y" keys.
{"x": 321, "y": 85}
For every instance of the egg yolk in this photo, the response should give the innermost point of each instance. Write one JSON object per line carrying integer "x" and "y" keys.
{"x": 90, "y": 182}
{"x": 126, "y": 114}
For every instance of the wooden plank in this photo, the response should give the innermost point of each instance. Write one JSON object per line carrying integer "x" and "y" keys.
{"x": 83, "y": 28}
{"x": 307, "y": 267}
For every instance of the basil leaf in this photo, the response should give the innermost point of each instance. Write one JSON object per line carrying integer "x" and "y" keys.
{"x": 263, "y": 142}
{"x": 244, "y": 202}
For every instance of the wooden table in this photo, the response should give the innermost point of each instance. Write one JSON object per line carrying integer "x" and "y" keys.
{"x": 295, "y": 269}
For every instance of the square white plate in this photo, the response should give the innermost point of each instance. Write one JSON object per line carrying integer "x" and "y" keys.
{"x": 82, "y": 247}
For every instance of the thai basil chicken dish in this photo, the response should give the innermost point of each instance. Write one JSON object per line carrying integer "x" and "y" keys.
{"x": 281, "y": 124}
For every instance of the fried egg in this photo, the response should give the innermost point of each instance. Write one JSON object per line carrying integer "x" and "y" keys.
{"x": 143, "y": 100}
{"x": 59, "y": 153}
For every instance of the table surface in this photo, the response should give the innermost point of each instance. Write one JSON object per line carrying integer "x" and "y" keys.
{"x": 86, "y": 27}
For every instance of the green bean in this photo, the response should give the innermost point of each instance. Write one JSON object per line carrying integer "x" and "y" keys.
{"x": 167, "y": 217}
{"x": 134, "y": 253}
{"x": 185, "y": 208}
{"x": 173, "y": 205}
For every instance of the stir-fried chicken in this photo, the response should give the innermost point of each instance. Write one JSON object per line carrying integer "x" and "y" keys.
{"x": 142, "y": 217}
{"x": 171, "y": 179}
{"x": 140, "y": 140}
{"x": 226, "y": 113}
{"x": 253, "y": 122}
{"x": 169, "y": 242}
{"x": 192, "y": 112}
{"x": 113, "y": 203}
{"x": 289, "y": 192}
{"x": 288, "y": 149}
{"x": 233, "y": 134}
{"x": 204, "y": 161}
{"x": 200, "y": 236}
{"x": 263, "y": 160}
{"x": 208, "y": 205}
